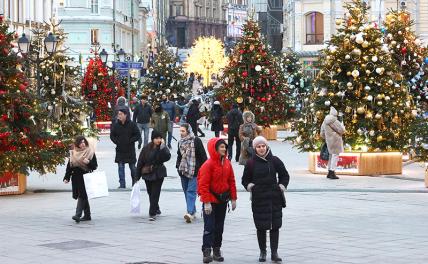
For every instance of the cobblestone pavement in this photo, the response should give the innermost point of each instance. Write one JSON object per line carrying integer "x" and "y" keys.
{"x": 326, "y": 227}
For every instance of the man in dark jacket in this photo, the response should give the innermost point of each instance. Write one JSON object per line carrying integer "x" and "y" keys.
{"x": 169, "y": 107}
{"x": 124, "y": 134}
{"x": 193, "y": 115}
{"x": 143, "y": 113}
{"x": 234, "y": 121}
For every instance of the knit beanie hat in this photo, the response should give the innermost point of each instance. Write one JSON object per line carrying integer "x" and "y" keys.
{"x": 259, "y": 140}
{"x": 156, "y": 134}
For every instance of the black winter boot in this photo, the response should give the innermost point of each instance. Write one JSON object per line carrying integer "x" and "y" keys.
{"x": 217, "y": 255}
{"x": 79, "y": 208}
{"x": 261, "y": 238}
{"x": 207, "y": 258}
{"x": 275, "y": 258}
{"x": 332, "y": 175}
{"x": 87, "y": 210}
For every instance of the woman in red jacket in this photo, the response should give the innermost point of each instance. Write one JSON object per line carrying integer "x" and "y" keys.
{"x": 216, "y": 186}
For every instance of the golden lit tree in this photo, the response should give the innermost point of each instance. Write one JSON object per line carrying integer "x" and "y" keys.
{"x": 207, "y": 58}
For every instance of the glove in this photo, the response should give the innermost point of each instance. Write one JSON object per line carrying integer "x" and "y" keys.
{"x": 282, "y": 187}
{"x": 250, "y": 186}
{"x": 208, "y": 208}
{"x": 233, "y": 205}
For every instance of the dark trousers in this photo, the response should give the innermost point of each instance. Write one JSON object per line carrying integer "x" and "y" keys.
{"x": 194, "y": 126}
{"x": 213, "y": 226}
{"x": 231, "y": 137}
{"x": 274, "y": 238}
{"x": 83, "y": 206}
{"x": 217, "y": 133}
{"x": 154, "y": 190}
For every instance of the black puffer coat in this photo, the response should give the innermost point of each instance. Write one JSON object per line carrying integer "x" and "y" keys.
{"x": 266, "y": 193}
{"x": 76, "y": 176}
{"x": 217, "y": 118}
{"x": 124, "y": 136}
{"x": 156, "y": 156}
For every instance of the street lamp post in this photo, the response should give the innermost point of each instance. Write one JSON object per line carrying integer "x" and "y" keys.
{"x": 24, "y": 47}
{"x": 122, "y": 54}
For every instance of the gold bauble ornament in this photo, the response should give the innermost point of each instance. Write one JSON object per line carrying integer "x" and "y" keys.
{"x": 360, "y": 110}
{"x": 365, "y": 44}
{"x": 239, "y": 100}
{"x": 379, "y": 138}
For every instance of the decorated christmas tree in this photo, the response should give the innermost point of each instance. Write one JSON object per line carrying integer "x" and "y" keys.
{"x": 100, "y": 89}
{"x": 361, "y": 80}
{"x": 165, "y": 77}
{"x": 253, "y": 79}
{"x": 407, "y": 50}
{"x": 299, "y": 84}
{"x": 60, "y": 86}
{"x": 24, "y": 146}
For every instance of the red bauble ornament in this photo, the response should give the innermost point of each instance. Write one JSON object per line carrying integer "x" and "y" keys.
{"x": 263, "y": 99}
{"x": 2, "y": 92}
{"x": 22, "y": 87}
{"x": 4, "y": 117}
{"x": 244, "y": 74}
{"x": 404, "y": 50}
{"x": 242, "y": 51}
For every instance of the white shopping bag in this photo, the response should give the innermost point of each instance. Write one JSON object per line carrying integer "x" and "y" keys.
{"x": 136, "y": 198}
{"x": 96, "y": 184}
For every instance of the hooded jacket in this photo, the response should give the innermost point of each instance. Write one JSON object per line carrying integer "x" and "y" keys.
{"x": 216, "y": 175}
{"x": 332, "y": 131}
{"x": 248, "y": 129}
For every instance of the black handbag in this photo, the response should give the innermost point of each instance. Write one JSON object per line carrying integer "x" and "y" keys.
{"x": 324, "y": 154}
{"x": 222, "y": 197}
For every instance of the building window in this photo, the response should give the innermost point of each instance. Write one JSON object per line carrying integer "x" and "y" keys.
{"x": 314, "y": 28}
{"x": 95, "y": 34}
{"x": 178, "y": 10}
{"x": 95, "y": 9}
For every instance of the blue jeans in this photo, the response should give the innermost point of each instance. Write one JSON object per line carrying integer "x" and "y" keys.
{"x": 189, "y": 189}
{"x": 144, "y": 127}
{"x": 214, "y": 225}
{"x": 121, "y": 169}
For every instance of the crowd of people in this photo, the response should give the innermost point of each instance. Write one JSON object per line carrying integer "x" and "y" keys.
{"x": 211, "y": 178}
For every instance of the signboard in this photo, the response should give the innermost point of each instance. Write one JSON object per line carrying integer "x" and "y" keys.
{"x": 125, "y": 65}
{"x": 348, "y": 163}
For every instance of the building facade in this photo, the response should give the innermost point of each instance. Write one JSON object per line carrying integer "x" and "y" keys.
{"x": 25, "y": 14}
{"x": 191, "y": 19}
{"x": 109, "y": 24}
{"x": 269, "y": 14}
{"x": 237, "y": 14}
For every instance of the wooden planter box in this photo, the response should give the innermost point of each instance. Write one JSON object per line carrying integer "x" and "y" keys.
{"x": 270, "y": 133}
{"x": 13, "y": 183}
{"x": 360, "y": 163}
{"x": 104, "y": 127}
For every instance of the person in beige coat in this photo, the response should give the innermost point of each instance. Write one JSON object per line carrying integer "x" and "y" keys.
{"x": 332, "y": 131}
{"x": 247, "y": 132}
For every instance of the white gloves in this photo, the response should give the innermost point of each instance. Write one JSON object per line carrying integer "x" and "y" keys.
{"x": 233, "y": 205}
{"x": 208, "y": 208}
{"x": 250, "y": 186}
{"x": 282, "y": 187}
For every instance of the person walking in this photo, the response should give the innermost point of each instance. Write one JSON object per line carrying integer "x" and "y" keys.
{"x": 234, "y": 121}
{"x": 247, "y": 132}
{"x": 267, "y": 179}
{"x": 151, "y": 168}
{"x": 216, "y": 186}
{"x": 332, "y": 131}
{"x": 190, "y": 157}
{"x": 124, "y": 134}
{"x": 169, "y": 107}
{"x": 120, "y": 104}
{"x": 160, "y": 121}
{"x": 143, "y": 113}
{"x": 217, "y": 118}
{"x": 193, "y": 115}
{"x": 82, "y": 160}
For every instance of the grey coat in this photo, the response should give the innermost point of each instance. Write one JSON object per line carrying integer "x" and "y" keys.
{"x": 332, "y": 131}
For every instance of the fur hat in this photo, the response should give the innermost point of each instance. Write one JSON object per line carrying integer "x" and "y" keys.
{"x": 156, "y": 134}
{"x": 259, "y": 140}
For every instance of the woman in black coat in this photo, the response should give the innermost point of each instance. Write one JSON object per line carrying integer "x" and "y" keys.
{"x": 267, "y": 194}
{"x": 217, "y": 119}
{"x": 151, "y": 169}
{"x": 82, "y": 160}
{"x": 193, "y": 115}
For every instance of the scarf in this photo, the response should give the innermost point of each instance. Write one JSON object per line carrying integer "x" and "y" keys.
{"x": 78, "y": 155}
{"x": 188, "y": 157}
